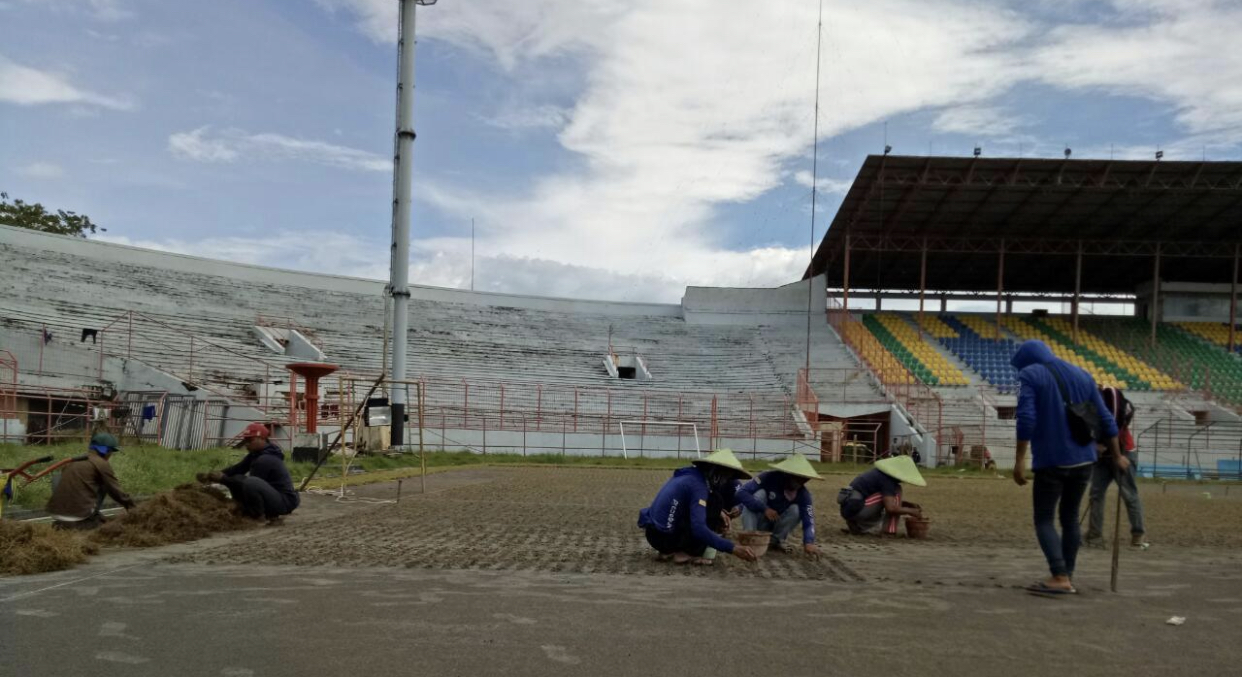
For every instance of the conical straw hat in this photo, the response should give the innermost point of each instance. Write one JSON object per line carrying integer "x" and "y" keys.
{"x": 902, "y": 469}
{"x": 725, "y": 459}
{"x": 798, "y": 466}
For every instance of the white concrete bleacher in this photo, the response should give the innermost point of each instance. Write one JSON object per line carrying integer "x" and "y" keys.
{"x": 196, "y": 318}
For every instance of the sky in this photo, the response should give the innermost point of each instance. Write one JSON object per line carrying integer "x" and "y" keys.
{"x": 601, "y": 149}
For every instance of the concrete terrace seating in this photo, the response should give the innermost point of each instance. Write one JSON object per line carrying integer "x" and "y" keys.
{"x": 189, "y": 307}
{"x": 988, "y": 356}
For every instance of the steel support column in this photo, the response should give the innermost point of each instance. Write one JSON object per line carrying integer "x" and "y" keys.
{"x": 1154, "y": 306}
{"x": 1000, "y": 285}
{"x": 845, "y": 287}
{"x": 922, "y": 284}
{"x": 1077, "y": 290}
{"x": 1233, "y": 301}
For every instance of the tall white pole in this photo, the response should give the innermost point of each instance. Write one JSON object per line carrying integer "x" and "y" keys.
{"x": 402, "y": 160}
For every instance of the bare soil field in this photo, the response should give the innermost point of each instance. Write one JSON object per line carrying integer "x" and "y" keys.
{"x": 583, "y": 521}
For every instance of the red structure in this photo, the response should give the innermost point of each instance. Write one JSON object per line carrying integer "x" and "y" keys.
{"x": 312, "y": 372}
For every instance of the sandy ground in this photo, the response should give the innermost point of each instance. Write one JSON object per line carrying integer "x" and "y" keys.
{"x": 542, "y": 571}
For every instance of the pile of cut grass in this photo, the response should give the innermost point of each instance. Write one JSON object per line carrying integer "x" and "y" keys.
{"x": 187, "y": 513}
{"x": 27, "y": 548}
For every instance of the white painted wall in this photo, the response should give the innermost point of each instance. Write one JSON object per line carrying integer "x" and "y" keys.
{"x": 784, "y": 305}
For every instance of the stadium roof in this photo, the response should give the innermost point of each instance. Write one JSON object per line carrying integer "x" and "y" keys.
{"x": 1041, "y": 213}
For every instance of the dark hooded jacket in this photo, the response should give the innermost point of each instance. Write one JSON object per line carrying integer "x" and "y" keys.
{"x": 1041, "y": 409}
{"x": 269, "y": 466}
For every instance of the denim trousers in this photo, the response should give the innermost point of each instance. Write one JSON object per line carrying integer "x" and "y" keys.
{"x": 1059, "y": 492}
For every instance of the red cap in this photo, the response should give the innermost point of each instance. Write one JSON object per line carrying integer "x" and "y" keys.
{"x": 256, "y": 430}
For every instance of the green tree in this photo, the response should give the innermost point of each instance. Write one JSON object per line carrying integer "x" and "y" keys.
{"x": 35, "y": 217}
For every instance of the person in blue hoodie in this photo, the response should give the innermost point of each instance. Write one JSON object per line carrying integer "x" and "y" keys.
{"x": 777, "y": 500}
{"x": 260, "y": 483}
{"x": 1061, "y": 464}
{"x": 678, "y": 522}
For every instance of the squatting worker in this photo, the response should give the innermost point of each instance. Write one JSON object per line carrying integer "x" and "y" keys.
{"x": 677, "y": 523}
{"x": 83, "y": 485}
{"x": 1048, "y": 387}
{"x": 1104, "y": 473}
{"x": 260, "y": 482}
{"x": 872, "y": 502}
{"x": 777, "y": 500}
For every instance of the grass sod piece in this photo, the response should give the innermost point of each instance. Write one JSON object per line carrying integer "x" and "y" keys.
{"x": 29, "y": 548}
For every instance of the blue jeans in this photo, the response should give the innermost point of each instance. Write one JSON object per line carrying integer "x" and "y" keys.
{"x": 1065, "y": 486}
{"x": 1103, "y": 475}
{"x": 780, "y": 529}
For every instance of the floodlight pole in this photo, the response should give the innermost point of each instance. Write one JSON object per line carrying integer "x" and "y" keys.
{"x": 403, "y": 157}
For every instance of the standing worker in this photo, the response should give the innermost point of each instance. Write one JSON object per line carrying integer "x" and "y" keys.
{"x": 677, "y": 523}
{"x": 1104, "y": 473}
{"x": 267, "y": 491}
{"x": 84, "y": 484}
{"x": 1060, "y": 418}
{"x": 776, "y": 500}
{"x": 872, "y": 502}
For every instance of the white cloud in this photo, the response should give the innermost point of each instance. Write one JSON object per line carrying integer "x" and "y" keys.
{"x": 523, "y": 118}
{"x": 688, "y": 108}
{"x": 509, "y": 31}
{"x": 103, "y": 10}
{"x": 977, "y": 121}
{"x": 823, "y": 185}
{"x": 1181, "y": 52}
{"x": 26, "y": 86}
{"x": 42, "y": 170}
{"x": 230, "y": 145}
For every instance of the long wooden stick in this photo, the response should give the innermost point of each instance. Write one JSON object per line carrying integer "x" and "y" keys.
{"x": 1116, "y": 537}
{"x": 341, "y": 433}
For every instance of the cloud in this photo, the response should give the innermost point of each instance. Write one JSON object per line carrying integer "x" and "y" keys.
{"x": 1180, "y": 52}
{"x": 822, "y": 184}
{"x": 102, "y": 10}
{"x": 673, "y": 125}
{"x": 977, "y": 121}
{"x": 27, "y": 86}
{"x": 230, "y": 145}
{"x": 42, "y": 170}
{"x": 525, "y": 118}
{"x": 509, "y": 31}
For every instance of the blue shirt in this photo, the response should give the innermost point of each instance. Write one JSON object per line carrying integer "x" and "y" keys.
{"x": 682, "y": 504}
{"x": 1041, "y": 409}
{"x": 773, "y": 483}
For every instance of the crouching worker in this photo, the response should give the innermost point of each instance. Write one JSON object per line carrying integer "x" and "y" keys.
{"x": 776, "y": 500}
{"x": 260, "y": 483}
{"x": 83, "y": 486}
{"x": 677, "y": 523}
{"x": 872, "y": 502}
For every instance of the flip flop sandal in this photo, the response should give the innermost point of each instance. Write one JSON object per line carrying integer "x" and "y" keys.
{"x": 1042, "y": 589}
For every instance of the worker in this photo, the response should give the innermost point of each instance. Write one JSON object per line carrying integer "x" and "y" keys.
{"x": 1104, "y": 473}
{"x": 872, "y": 502}
{"x": 776, "y": 500}
{"x": 677, "y": 523}
{"x": 260, "y": 483}
{"x": 84, "y": 484}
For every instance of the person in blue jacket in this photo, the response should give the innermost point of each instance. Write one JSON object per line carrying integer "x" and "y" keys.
{"x": 778, "y": 499}
{"x": 260, "y": 483}
{"x": 678, "y": 524}
{"x": 1062, "y": 464}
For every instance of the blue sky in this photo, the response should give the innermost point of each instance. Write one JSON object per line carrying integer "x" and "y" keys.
{"x": 604, "y": 149}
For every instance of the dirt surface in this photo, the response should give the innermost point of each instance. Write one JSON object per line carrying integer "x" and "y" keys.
{"x": 583, "y": 520}
{"x": 542, "y": 572}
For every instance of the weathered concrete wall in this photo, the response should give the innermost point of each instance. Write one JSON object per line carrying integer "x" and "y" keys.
{"x": 782, "y": 305}
{"x": 594, "y": 444}
{"x": 274, "y": 276}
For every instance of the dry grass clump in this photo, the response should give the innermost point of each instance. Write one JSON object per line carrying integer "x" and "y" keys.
{"x": 27, "y": 548}
{"x": 188, "y": 512}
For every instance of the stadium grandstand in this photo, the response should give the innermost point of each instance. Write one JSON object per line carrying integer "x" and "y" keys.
{"x": 1150, "y": 248}
{"x": 932, "y": 273}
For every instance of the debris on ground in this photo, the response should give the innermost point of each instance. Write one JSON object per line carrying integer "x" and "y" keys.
{"x": 30, "y": 548}
{"x": 1176, "y": 620}
{"x": 188, "y": 512}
